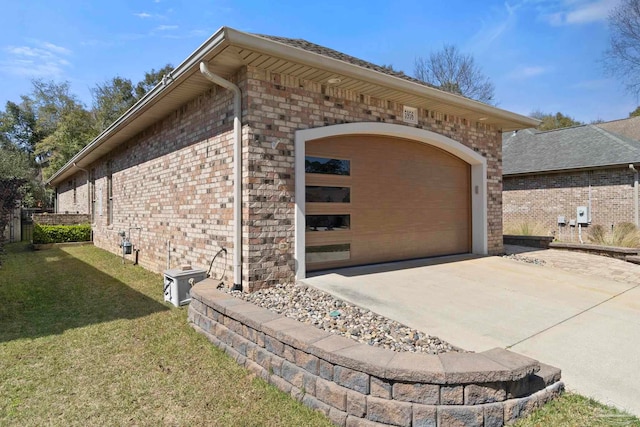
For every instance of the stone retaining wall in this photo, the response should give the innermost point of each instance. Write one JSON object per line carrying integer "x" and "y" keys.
{"x": 611, "y": 251}
{"x": 530, "y": 241}
{"x": 356, "y": 384}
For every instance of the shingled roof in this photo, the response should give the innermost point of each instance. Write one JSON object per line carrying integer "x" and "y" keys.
{"x": 325, "y": 51}
{"x": 579, "y": 147}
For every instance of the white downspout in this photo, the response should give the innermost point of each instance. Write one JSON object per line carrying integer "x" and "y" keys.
{"x": 635, "y": 193}
{"x": 237, "y": 171}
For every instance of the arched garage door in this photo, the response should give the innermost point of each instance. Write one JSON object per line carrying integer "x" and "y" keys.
{"x": 373, "y": 199}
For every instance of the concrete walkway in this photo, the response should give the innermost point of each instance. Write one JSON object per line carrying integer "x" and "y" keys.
{"x": 578, "y": 312}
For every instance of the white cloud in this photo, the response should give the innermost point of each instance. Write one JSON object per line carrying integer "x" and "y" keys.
{"x": 37, "y": 59}
{"x": 527, "y": 72}
{"x": 576, "y": 12}
{"x": 142, "y": 15}
{"x": 491, "y": 30}
{"x": 166, "y": 27}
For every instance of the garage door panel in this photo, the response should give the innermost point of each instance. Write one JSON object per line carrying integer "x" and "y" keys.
{"x": 407, "y": 200}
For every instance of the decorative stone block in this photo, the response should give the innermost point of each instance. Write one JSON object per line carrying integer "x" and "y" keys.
{"x": 273, "y": 345}
{"x": 356, "y": 404}
{"x": 460, "y": 416}
{"x": 451, "y": 395}
{"x": 331, "y": 394}
{"x": 494, "y": 414}
{"x": 380, "y": 388}
{"x": 476, "y": 394}
{"x": 307, "y": 361}
{"x": 424, "y": 416}
{"x": 389, "y": 411}
{"x": 428, "y": 394}
{"x": 293, "y": 374}
{"x": 325, "y": 370}
{"x": 316, "y": 404}
{"x": 355, "y": 380}
{"x": 339, "y": 418}
{"x": 280, "y": 383}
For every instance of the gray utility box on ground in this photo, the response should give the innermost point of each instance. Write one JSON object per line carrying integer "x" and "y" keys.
{"x": 177, "y": 289}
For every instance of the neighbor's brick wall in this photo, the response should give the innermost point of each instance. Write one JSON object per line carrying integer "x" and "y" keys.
{"x": 278, "y": 105}
{"x": 61, "y": 219}
{"x": 175, "y": 179}
{"x": 542, "y": 198}
{"x": 68, "y": 202}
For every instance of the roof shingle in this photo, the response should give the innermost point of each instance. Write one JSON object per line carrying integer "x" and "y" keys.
{"x": 586, "y": 146}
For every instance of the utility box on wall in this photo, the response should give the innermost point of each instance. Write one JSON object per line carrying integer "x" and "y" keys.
{"x": 177, "y": 286}
{"x": 582, "y": 214}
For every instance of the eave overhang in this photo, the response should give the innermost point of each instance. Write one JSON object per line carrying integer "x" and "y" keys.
{"x": 228, "y": 50}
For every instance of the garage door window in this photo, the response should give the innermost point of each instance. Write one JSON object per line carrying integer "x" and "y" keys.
{"x": 327, "y": 166}
{"x": 328, "y": 253}
{"x": 317, "y": 194}
{"x": 328, "y": 222}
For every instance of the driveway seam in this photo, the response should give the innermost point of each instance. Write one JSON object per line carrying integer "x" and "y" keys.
{"x": 572, "y": 317}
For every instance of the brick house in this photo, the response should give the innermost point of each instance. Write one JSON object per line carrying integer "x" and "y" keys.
{"x": 547, "y": 176}
{"x": 293, "y": 157}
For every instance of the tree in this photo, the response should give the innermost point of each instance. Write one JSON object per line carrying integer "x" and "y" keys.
{"x": 111, "y": 100}
{"x": 18, "y": 125}
{"x": 114, "y": 97}
{"x": 549, "y": 121}
{"x": 635, "y": 113}
{"x": 622, "y": 59}
{"x": 151, "y": 79}
{"x": 74, "y": 131}
{"x": 452, "y": 71}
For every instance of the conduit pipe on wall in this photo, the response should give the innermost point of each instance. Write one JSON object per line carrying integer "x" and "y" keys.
{"x": 237, "y": 171}
{"x": 635, "y": 193}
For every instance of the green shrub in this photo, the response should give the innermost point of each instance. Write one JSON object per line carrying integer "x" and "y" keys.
{"x": 61, "y": 233}
{"x": 624, "y": 234}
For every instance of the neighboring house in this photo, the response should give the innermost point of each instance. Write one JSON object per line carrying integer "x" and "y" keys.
{"x": 547, "y": 175}
{"x": 342, "y": 163}
{"x": 626, "y": 127}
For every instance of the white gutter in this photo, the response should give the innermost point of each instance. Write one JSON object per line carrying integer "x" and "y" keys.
{"x": 237, "y": 172}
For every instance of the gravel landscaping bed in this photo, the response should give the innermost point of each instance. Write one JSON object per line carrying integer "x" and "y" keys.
{"x": 322, "y": 310}
{"x": 523, "y": 258}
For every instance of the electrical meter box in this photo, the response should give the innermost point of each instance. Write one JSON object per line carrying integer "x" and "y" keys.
{"x": 177, "y": 286}
{"x": 582, "y": 214}
{"x": 562, "y": 220}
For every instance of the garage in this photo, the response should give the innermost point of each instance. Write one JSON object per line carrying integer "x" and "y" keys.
{"x": 372, "y": 198}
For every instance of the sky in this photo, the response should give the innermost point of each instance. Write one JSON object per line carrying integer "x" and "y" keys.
{"x": 542, "y": 55}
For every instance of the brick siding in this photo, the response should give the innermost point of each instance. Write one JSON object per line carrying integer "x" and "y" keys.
{"x": 174, "y": 180}
{"x": 542, "y": 198}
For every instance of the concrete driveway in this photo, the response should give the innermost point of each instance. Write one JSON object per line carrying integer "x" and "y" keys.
{"x": 586, "y": 324}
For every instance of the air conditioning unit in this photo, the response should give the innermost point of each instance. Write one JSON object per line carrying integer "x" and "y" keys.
{"x": 177, "y": 284}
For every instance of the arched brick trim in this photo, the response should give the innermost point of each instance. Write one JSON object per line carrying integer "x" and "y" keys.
{"x": 477, "y": 162}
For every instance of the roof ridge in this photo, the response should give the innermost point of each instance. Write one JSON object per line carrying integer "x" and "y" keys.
{"x": 562, "y": 129}
{"x": 627, "y": 142}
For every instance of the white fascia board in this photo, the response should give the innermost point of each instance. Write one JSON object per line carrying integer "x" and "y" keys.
{"x": 312, "y": 59}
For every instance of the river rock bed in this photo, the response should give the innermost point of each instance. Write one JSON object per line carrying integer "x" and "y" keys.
{"x": 314, "y": 307}
{"x": 523, "y": 258}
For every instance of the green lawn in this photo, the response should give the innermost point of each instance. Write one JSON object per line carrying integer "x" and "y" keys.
{"x": 85, "y": 340}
